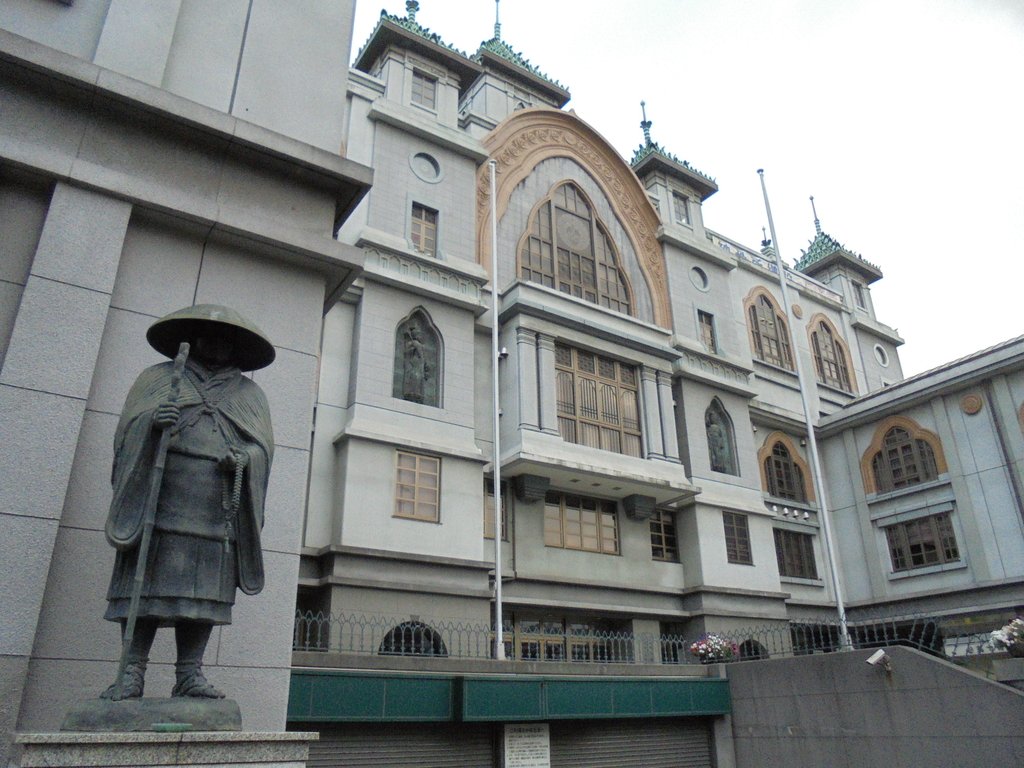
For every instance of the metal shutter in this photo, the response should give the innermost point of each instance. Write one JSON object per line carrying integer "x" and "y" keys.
{"x": 403, "y": 745}
{"x": 618, "y": 743}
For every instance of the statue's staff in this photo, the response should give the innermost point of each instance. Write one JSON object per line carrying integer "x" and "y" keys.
{"x": 149, "y": 521}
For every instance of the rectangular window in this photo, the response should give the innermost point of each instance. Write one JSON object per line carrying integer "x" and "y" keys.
{"x": 597, "y": 401}
{"x": 417, "y": 486}
{"x": 737, "y": 539}
{"x": 663, "y": 536}
{"x": 489, "y": 510}
{"x": 681, "y": 208}
{"x": 424, "y": 90}
{"x": 576, "y": 522}
{"x": 922, "y": 542}
{"x": 424, "y": 229}
{"x": 707, "y": 330}
{"x": 858, "y": 295}
{"x": 795, "y": 552}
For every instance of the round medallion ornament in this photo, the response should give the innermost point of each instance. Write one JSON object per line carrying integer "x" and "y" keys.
{"x": 798, "y": 311}
{"x": 970, "y": 404}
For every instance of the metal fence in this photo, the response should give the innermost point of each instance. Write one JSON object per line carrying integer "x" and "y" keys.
{"x": 378, "y": 634}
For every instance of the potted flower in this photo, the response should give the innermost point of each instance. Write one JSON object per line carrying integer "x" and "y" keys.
{"x": 1011, "y": 637}
{"x": 711, "y": 648}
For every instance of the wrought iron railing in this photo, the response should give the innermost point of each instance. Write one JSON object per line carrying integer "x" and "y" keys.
{"x": 379, "y": 634}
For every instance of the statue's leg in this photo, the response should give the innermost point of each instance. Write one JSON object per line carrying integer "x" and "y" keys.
{"x": 138, "y": 657}
{"x": 192, "y": 637}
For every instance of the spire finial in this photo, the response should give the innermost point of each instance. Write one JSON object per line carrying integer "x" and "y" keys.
{"x": 817, "y": 224}
{"x": 765, "y": 242}
{"x": 497, "y": 20}
{"x": 645, "y": 124}
{"x": 411, "y": 6}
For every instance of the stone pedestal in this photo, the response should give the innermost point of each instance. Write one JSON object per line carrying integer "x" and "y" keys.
{"x": 1009, "y": 671}
{"x": 142, "y": 750}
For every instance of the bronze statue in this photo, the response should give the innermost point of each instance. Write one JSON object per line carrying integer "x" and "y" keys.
{"x": 192, "y": 456}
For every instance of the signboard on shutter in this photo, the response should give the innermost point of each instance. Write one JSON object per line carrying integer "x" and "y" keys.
{"x": 527, "y": 745}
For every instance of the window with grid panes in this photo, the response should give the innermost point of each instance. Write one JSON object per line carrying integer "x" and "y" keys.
{"x": 663, "y": 536}
{"x": 424, "y": 229}
{"x": 578, "y": 522}
{"x": 770, "y": 334}
{"x": 489, "y": 510}
{"x": 922, "y": 542}
{"x": 737, "y": 539}
{"x": 568, "y": 249}
{"x": 706, "y": 321}
{"x": 829, "y": 358}
{"x": 903, "y": 461}
{"x": 795, "y": 552}
{"x": 681, "y": 208}
{"x": 597, "y": 401}
{"x": 424, "y": 90}
{"x": 784, "y": 477}
{"x": 417, "y": 486}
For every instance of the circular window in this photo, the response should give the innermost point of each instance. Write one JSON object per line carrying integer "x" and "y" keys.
{"x": 425, "y": 167}
{"x": 881, "y": 356}
{"x": 699, "y": 278}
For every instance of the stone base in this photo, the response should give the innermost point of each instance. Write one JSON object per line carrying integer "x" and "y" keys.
{"x": 120, "y": 750}
{"x": 172, "y": 715}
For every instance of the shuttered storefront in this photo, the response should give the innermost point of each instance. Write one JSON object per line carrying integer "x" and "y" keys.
{"x": 404, "y": 745}
{"x": 660, "y": 743}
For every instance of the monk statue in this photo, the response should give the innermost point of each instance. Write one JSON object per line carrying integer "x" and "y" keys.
{"x": 192, "y": 456}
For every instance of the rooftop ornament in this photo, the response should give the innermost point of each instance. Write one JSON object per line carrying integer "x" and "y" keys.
{"x": 409, "y": 23}
{"x": 824, "y": 245}
{"x": 650, "y": 147}
{"x": 500, "y": 48}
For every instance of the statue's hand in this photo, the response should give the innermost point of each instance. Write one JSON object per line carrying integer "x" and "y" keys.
{"x": 166, "y": 415}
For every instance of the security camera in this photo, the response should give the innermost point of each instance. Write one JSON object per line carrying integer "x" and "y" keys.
{"x": 881, "y": 657}
{"x": 876, "y": 657}
{"x": 503, "y": 353}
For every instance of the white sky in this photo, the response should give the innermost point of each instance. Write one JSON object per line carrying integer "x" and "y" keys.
{"x": 904, "y": 119}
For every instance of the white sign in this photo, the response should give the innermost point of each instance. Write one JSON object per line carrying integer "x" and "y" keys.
{"x": 527, "y": 745}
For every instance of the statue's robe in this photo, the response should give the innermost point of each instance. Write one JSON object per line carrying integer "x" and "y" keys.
{"x": 202, "y": 547}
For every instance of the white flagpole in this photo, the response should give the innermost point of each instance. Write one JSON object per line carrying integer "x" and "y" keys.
{"x": 499, "y": 640}
{"x": 812, "y": 443}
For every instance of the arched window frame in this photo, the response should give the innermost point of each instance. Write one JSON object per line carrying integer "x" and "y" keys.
{"x": 918, "y": 435}
{"x": 545, "y": 269}
{"x": 729, "y": 436}
{"x": 833, "y": 365}
{"x": 768, "y": 329}
{"x": 798, "y": 461}
{"x": 433, "y": 357}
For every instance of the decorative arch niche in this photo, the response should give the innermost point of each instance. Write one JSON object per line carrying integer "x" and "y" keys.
{"x": 532, "y": 135}
{"x": 721, "y": 439}
{"x": 418, "y": 362}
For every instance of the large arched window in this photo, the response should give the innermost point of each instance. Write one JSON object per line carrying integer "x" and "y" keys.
{"x": 721, "y": 440}
{"x": 902, "y": 454}
{"x": 831, "y": 361}
{"x": 769, "y": 333}
{"x": 417, "y": 366}
{"x": 567, "y": 248}
{"x": 784, "y": 471}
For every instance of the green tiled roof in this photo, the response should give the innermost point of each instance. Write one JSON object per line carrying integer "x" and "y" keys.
{"x": 824, "y": 245}
{"x": 499, "y": 47}
{"x": 410, "y": 24}
{"x": 652, "y": 147}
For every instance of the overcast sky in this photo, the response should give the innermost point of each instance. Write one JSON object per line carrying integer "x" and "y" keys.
{"x": 904, "y": 119}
